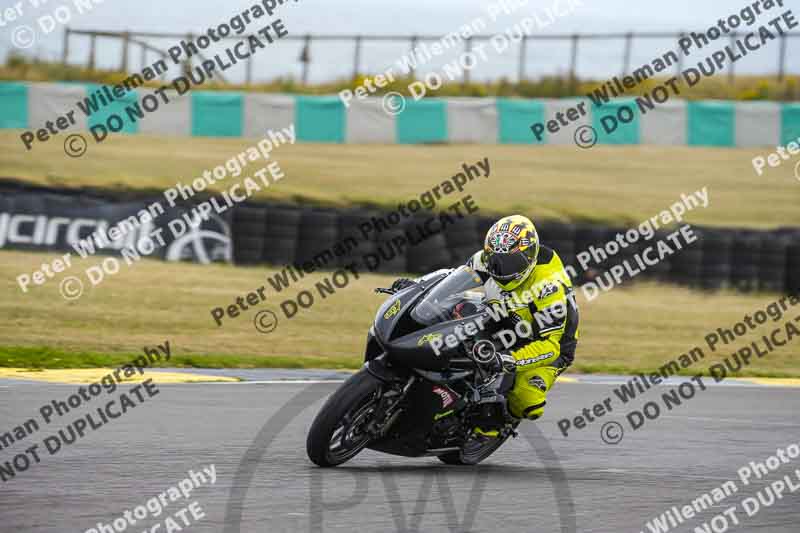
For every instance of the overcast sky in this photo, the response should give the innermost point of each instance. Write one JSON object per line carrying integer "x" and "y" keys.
{"x": 377, "y": 17}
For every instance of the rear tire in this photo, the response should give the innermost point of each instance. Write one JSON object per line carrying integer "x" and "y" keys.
{"x": 352, "y": 400}
{"x": 472, "y": 457}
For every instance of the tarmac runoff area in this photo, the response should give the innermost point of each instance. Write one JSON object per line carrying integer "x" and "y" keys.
{"x": 254, "y": 432}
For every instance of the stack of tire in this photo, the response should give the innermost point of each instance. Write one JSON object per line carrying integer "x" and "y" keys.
{"x": 791, "y": 238}
{"x": 317, "y": 236}
{"x": 661, "y": 270}
{"x": 560, "y": 236}
{"x": 686, "y": 265}
{"x": 586, "y": 237}
{"x": 429, "y": 251}
{"x": 484, "y": 224}
{"x": 717, "y": 246}
{"x": 350, "y": 230}
{"x": 627, "y": 254}
{"x": 463, "y": 239}
{"x": 249, "y": 224}
{"x": 772, "y": 263}
{"x": 793, "y": 267}
{"x": 745, "y": 260}
{"x": 281, "y": 235}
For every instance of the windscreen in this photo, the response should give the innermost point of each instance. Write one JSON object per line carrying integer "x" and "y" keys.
{"x": 461, "y": 285}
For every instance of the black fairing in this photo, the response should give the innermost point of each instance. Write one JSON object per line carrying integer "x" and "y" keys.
{"x": 415, "y": 350}
{"x": 399, "y": 348}
{"x": 407, "y": 343}
{"x": 391, "y": 323}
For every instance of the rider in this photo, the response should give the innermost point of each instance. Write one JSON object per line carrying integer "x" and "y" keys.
{"x": 527, "y": 282}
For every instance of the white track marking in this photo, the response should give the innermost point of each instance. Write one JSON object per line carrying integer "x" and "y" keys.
{"x": 732, "y": 421}
{"x": 268, "y": 382}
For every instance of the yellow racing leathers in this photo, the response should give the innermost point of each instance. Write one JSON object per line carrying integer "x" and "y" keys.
{"x": 539, "y": 328}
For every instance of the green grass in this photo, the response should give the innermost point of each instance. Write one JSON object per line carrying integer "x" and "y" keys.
{"x": 620, "y": 185}
{"x": 40, "y": 357}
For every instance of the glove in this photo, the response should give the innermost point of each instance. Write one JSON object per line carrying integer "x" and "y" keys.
{"x": 508, "y": 361}
{"x": 402, "y": 283}
{"x": 485, "y": 351}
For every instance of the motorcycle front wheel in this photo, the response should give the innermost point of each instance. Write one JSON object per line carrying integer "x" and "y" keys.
{"x": 338, "y": 432}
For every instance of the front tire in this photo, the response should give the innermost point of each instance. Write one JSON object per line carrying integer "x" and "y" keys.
{"x": 337, "y": 433}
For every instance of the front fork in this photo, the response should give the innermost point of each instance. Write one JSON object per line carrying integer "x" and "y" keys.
{"x": 389, "y": 409}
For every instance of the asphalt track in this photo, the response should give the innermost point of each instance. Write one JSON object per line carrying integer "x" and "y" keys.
{"x": 266, "y": 483}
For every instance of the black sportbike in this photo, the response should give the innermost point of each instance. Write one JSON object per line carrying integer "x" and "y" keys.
{"x": 432, "y": 374}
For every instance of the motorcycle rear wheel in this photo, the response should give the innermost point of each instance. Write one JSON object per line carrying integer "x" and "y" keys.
{"x": 472, "y": 455}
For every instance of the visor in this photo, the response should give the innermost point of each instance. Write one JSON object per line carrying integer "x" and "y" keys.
{"x": 505, "y": 267}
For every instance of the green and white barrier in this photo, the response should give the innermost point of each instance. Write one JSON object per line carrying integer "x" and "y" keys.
{"x": 431, "y": 120}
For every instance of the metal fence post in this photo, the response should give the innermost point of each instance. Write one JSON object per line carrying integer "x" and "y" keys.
{"x": 782, "y": 59}
{"x": 305, "y": 57}
{"x": 187, "y": 64}
{"x": 163, "y": 73}
{"x": 356, "y": 56}
{"x": 126, "y": 36}
{"x": 467, "y": 50}
{"x": 626, "y": 62}
{"x": 92, "y": 43}
{"x": 412, "y": 71}
{"x": 65, "y": 52}
{"x": 573, "y": 64}
{"x": 248, "y": 72}
{"x": 572, "y": 83}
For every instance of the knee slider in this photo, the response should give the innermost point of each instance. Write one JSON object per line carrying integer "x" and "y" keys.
{"x": 534, "y": 412}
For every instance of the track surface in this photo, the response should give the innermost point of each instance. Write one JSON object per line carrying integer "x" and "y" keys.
{"x": 614, "y": 488}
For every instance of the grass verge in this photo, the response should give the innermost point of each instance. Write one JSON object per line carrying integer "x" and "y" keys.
{"x": 611, "y": 184}
{"x": 628, "y": 330}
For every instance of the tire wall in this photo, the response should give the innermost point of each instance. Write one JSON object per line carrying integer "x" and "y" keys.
{"x": 721, "y": 258}
{"x": 278, "y": 234}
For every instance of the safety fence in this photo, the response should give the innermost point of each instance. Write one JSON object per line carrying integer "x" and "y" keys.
{"x": 311, "y": 238}
{"x": 326, "y": 119}
{"x": 526, "y": 49}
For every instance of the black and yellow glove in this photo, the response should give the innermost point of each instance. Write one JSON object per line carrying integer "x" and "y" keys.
{"x": 402, "y": 283}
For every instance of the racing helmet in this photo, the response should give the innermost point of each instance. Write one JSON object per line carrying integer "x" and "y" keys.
{"x": 510, "y": 251}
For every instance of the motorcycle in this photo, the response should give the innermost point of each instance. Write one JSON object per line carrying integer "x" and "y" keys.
{"x": 432, "y": 373}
